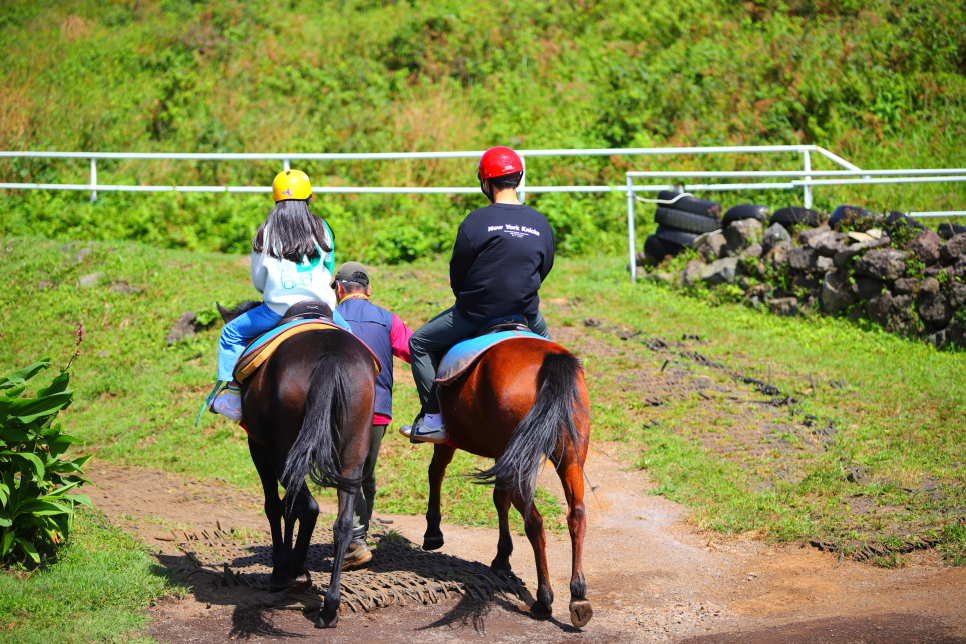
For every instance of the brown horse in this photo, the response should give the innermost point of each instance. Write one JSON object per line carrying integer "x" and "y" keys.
{"x": 308, "y": 411}
{"x": 524, "y": 401}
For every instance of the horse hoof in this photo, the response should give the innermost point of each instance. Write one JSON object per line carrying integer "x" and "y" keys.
{"x": 580, "y": 612}
{"x": 325, "y": 621}
{"x": 500, "y": 567}
{"x": 433, "y": 543}
{"x": 300, "y": 586}
{"x": 539, "y": 610}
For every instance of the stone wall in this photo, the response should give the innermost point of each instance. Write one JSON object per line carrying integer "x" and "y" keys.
{"x": 896, "y": 273}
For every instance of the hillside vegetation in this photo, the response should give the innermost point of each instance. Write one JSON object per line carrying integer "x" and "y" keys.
{"x": 880, "y": 82}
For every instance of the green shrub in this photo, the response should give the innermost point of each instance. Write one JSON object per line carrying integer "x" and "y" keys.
{"x": 36, "y": 512}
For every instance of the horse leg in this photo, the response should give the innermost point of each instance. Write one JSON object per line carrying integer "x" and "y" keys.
{"x": 442, "y": 455}
{"x": 342, "y": 535}
{"x": 504, "y": 547}
{"x": 533, "y": 525}
{"x": 306, "y": 511}
{"x": 571, "y": 476}
{"x": 274, "y": 508}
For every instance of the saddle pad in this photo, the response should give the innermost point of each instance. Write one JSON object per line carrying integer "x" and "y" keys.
{"x": 262, "y": 348}
{"x": 462, "y": 355}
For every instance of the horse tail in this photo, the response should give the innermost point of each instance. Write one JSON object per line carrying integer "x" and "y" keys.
{"x": 326, "y": 410}
{"x": 543, "y": 431}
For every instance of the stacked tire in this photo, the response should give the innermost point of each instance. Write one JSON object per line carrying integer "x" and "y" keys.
{"x": 680, "y": 220}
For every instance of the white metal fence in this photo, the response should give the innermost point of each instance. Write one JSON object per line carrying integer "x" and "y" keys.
{"x": 804, "y": 179}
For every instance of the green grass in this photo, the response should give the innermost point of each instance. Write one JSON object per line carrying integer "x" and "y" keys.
{"x": 96, "y": 591}
{"x": 900, "y": 424}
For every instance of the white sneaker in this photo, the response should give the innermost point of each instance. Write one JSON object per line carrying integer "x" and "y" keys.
{"x": 419, "y": 432}
{"x": 228, "y": 404}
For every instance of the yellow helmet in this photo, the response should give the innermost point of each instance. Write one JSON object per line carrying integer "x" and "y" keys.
{"x": 291, "y": 184}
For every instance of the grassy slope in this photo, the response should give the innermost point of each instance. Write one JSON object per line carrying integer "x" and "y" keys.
{"x": 880, "y": 82}
{"x": 900, "y": 419}
{"x": 95, "y": 593}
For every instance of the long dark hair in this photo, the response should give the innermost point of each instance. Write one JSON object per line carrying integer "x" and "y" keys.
{"x": 293, "y": 232}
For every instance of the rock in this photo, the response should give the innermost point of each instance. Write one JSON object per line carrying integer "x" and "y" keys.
{"x": 778, "y": 255}
{"x": 836, "y": 292}
{"x": 784, "y": 306}
{"x": 860, "y": 237}
{"x": 823, "y": 264}
{"x": 938, "y": 339}
{"x": 802, "y": 258}
{"x": 906, "y": 285}
{"x": 186, "y": 327}
{"x": 927, "y": 247}
{"x": 743, "y": 233}
{"x": 885, "y": 264}
{"x": 934, "y": 309}
{"x": 930, "y": 285}
{"x": 753, "y": 250}
{"x": 43, "y": 286}
{"x": 879, "y": 307}
{"x": 866, "y": 288}
{"x": 902, "y": 309}
{"x": 957, "y": 295}
{"x": 721, "y": 270}
{"x": 842, "y": 257}
{"x": 639, "y": 271}
{"x": 122, "y": 288}
{"x": 809, "y": 281}
{"x": 103, "y": 354}
{"x": 641, "y": 259}
{"x": 953, "y": 248}
{"x": 829, "y": 245}
{"x": 692, "y": 273}
{"x": 663, "y": 278}
{"x": 775, "y": 234}
{"x": 81, "y": 255}
{"x": 809, "y": 236}
{"x": 709, "y": 246}
{"x": 87, "y": 281}
{"x": 758, "y": 294}
{"x": 744, "y": 282}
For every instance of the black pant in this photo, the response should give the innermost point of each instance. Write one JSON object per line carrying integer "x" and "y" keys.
{"x": 367, "y": 495}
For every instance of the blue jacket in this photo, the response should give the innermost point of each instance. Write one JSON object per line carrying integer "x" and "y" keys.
{"x": 372, "y": 325}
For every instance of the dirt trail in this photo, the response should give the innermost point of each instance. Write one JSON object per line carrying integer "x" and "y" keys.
{"x": 652, "y": 578}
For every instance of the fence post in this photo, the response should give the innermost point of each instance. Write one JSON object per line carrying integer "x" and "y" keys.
{"x": 631, "y": 243}
{"x": 522, "y": 188}
{"x": 285, "y": 164}
{"x": 93, "y": 180}
{"x": 808, "y": 188}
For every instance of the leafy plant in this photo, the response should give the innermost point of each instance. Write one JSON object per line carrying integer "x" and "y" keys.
{"x": 36, "y": 511}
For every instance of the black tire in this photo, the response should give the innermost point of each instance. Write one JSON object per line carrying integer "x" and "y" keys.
{"x": 686, "y": 221}
{"x": 793, "y": 215}
{"x": 745, "y": 211}
{"x": 693, "y": 205}
{"x": 947, "y": 231}
{"x": 659, "y": 249}
{"x": 679, "y": 237}
{"x": 850, "y": 212}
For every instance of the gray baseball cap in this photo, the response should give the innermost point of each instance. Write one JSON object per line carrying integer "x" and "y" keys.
{"x": 352, "y": 272}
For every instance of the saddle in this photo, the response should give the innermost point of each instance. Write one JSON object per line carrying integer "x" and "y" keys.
{"x": 464, "y": 354}
{"x": 310, "y": 315}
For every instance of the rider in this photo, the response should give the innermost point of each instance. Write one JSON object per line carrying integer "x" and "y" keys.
{"x": 503, "y": 252}
{"x": 387, "y": 336}
{"x": 292, "y": 261}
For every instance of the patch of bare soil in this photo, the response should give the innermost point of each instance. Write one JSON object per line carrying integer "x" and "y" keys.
{"x": 651, "y": 578}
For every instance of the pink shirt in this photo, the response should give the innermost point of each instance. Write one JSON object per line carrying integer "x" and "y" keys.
{"x": 399, "y": 338}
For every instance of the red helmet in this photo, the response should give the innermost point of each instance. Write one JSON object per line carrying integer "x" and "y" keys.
{"x": 499, "y": 161}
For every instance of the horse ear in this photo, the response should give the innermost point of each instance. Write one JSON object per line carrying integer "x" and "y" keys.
{"x": 226, "y": 315}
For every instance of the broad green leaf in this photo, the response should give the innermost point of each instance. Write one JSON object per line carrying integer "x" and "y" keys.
{"x": 14, "y": 436}
{"x": 5, "y": 518}
{"x": 6, "y": 543}
{"x": 13, "y": 394}
{"x": 58, "y": 385}
{"x": 28, "y": 548}
{"x": 82, "y": 499}
{"x": 32, "y": 459}
{"x": 28, "y": 410}
{"x": 42, "y": 508}
{"x": 22, "y": 375}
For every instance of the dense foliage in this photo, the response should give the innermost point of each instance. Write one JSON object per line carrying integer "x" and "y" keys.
{"x": 880, "y": 82}
{"x": 36, "y": 511}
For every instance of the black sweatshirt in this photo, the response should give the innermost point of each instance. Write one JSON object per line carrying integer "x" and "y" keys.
{"x": 502, "y": 254}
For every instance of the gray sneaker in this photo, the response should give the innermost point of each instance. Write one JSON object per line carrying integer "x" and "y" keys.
{"x": 417, "y": 432}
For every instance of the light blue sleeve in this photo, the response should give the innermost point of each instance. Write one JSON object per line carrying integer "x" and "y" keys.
{"x": 329, "y": 262}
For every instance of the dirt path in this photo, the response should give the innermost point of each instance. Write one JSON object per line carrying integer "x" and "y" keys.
{"x": 652, "y": 578}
